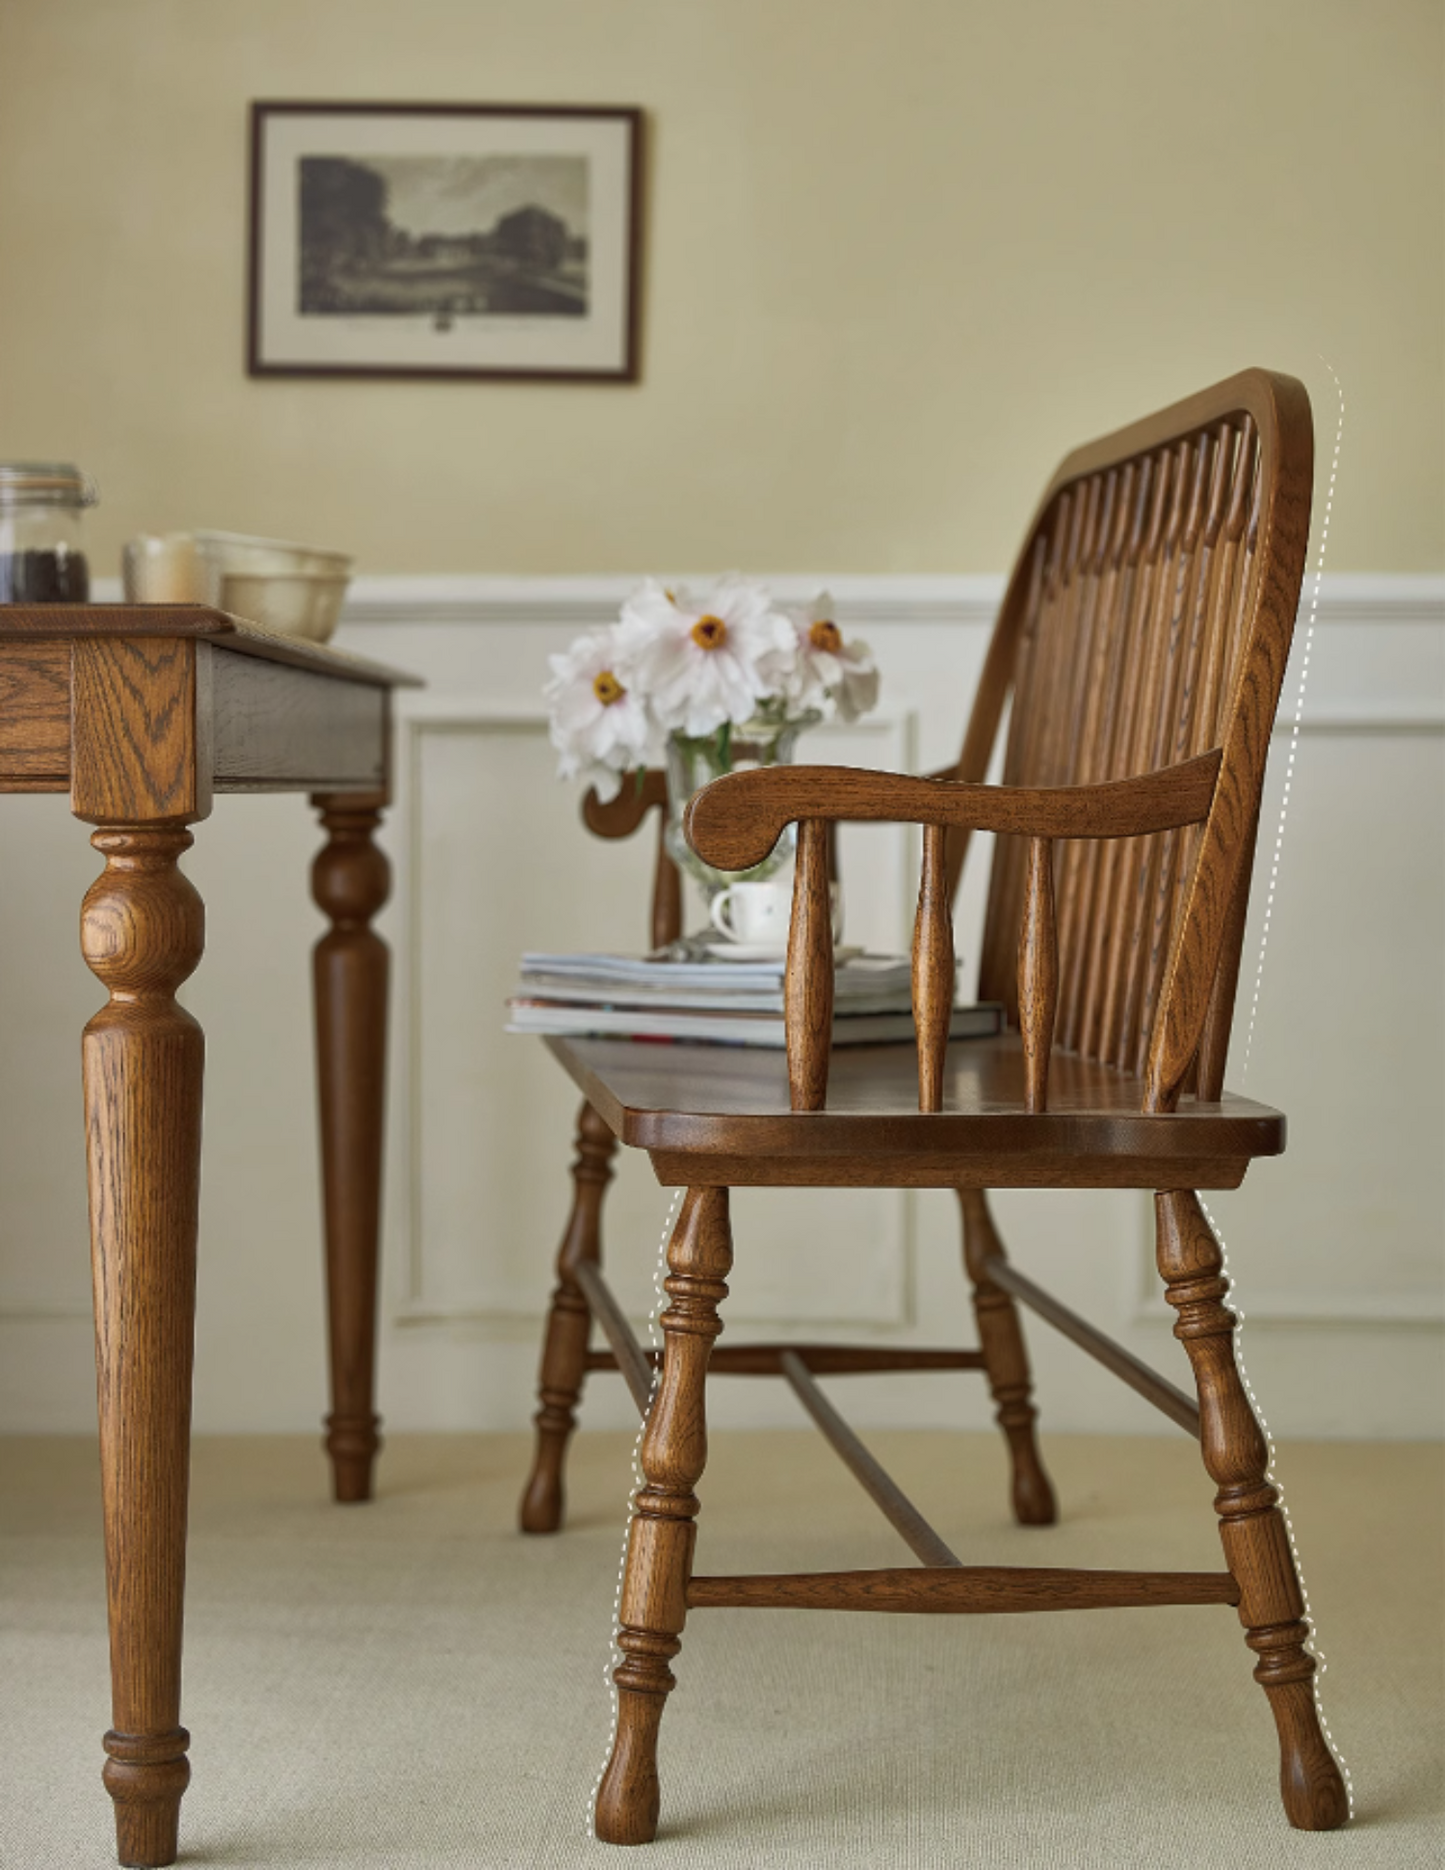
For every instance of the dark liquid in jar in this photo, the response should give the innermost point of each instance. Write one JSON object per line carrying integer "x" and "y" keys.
{"x": 44, "y": 577}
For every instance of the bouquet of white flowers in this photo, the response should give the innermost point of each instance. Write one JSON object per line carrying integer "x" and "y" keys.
{"x": 680, "y": 673}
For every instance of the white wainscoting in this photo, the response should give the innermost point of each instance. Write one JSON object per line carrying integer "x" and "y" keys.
{"x": 1336, "y": 1247}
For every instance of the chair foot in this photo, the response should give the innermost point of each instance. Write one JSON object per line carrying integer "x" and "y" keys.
{"x": 1032, "y": 1492}
{"x": 542, "y": 1501}
{"x": 564, "y": 1347}
{"x": 629, "y": 1797}
{"x": 1310, "y": 1782}
{"x": 1251, "y": 1526}
{"x": 1001, "y": 1339}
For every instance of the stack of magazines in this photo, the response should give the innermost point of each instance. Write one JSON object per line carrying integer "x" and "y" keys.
{"x": 717, "y": 1001}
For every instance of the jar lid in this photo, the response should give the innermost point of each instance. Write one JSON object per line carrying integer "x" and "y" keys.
{"x": 45, "y": 483}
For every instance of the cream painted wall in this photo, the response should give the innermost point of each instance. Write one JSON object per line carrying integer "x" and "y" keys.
{"x": 898, "y": 258}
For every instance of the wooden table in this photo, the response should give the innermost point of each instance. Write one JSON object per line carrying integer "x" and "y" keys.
{"x": 141, "y": 713}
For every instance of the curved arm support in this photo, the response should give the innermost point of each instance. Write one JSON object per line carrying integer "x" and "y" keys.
{"x": 734, "y": 822}
{"x": 622, "y": 814}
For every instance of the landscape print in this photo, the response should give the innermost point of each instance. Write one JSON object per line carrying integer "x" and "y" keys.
{"x": 444, "y": 236}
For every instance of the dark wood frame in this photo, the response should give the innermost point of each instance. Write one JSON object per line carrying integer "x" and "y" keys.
{"x": 263, "y": 109}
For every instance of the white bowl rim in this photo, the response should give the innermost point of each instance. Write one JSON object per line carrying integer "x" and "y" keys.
{"x": 285, "y": 577}
{"x": 204, "y": 535}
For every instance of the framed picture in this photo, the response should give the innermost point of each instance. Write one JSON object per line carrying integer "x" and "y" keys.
{"x": 443, "y": 240}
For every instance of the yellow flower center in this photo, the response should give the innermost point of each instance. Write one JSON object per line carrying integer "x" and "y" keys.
{"x": 607, "y": 688}
{"x": 709, "y": 632}
{"x": 826, "y": 636}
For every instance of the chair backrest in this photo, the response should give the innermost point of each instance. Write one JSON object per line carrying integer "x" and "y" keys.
{"x": 1149, "y": 619}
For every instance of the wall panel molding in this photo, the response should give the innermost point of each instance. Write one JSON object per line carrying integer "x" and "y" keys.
{"x": 1359, "y": 598}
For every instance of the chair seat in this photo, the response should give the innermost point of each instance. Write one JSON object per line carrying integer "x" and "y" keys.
{"x": 720, "y": 1116}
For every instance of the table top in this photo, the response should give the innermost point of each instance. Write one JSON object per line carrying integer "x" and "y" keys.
{"x": 49, "y": 623}
{"x": 182, "y": 698}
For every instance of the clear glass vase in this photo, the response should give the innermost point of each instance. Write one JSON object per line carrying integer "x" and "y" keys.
{"x": 693, "y": 761}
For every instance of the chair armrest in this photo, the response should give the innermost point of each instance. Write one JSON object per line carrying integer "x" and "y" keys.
{"x": 734, "y": 822}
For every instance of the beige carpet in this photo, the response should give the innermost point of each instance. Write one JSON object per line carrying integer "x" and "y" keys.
{"x": 413, "y": 1684}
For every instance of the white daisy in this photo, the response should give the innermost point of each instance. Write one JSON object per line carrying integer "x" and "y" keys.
{"x": 824, "y": 666}
{"x": 599, "y": 720}
{"x": 705, "y": 663}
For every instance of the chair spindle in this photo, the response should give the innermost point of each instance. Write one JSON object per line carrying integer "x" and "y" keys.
{"x": 1038, "y": 972}
{"x": 933, "y": 969}
{"x": 808, "y": 980}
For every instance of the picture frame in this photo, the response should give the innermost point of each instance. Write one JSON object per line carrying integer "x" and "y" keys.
{"x": 444, "y": 240}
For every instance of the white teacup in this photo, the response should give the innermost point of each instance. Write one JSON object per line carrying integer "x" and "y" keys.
{"x": 759, "y": 915}
{"x": 755, "y": 914}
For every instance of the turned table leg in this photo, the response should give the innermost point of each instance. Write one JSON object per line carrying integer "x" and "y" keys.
{"x": 350, "y": 881}
{"x": 142, "y": 931}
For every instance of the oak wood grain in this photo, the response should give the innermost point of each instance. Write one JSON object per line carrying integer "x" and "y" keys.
{"x": 808, "y": 974}
{"x": 141, "y": 730}
{"x": 119, "y": 705}
{"x": 876, "y": 1482}
{"x": 1038, "y": 973}
{"x": 1165, "y": 1396}
{"x": 564, "y": 1344}
{"x": 40, "y": 623}
{"x": 933, "y": 968}
{"x": 653, "y": 1602}
{"x": 1138, "y": 652}
{"x": 823, "y": 1359}
{"x": 142, "y": 932}
{"x": 34, "y": 716}
{"x": 628, "y": 1355}
{"x": 950, "y": 1590}
{"x": 736, "y": 1102}
{"x": 734, "y": 822}
{"x": 1251, "y": 1526}
{"x": 1006, "y": 1361}
{"x": 350, "y": 881}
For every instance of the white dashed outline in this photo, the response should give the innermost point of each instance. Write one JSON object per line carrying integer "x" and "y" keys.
{"x": 1310, "y": 1642}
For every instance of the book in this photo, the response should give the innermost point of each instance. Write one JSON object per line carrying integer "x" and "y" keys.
{"x": 727, "y": 1003}
{"x": 862, "y": 982}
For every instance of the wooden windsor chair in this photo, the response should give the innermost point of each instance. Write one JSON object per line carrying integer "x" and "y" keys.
{"x": 1143, "y": 639}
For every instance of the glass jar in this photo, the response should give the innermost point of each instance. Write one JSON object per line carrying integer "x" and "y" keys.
{"x": 42, "y": 560}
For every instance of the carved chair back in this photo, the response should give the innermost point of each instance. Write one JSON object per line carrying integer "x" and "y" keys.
{"x": 1148, "y": 621}
{"x": 1143, "y": 639}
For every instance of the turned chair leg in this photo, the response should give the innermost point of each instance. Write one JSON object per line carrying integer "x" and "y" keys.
{"x": 1001, "y": 1339}
{"x": 564, "y": 1346}
{"x": 1251, "y": 1526}
{"x": 662, "y": 1534}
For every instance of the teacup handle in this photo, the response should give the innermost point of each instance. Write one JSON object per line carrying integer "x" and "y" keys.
{"x": 717, "y": 911}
